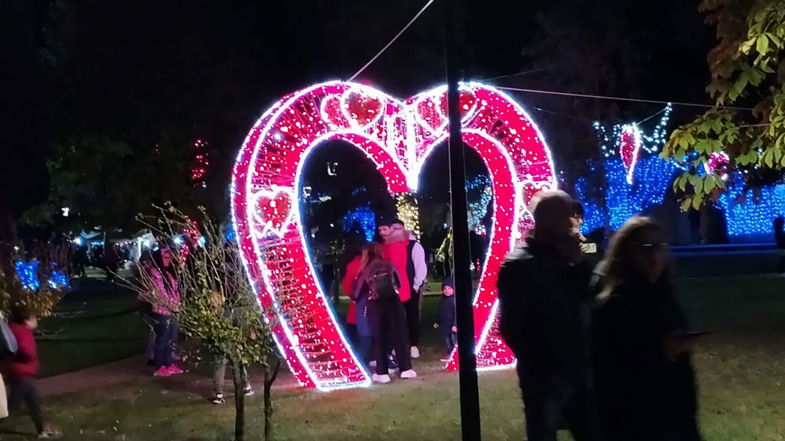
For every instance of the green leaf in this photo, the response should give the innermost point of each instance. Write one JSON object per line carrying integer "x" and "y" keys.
{"x": 702, "y": 146}
{"x": 738, "y": 86}
{"x": 685, "y": 204}
{"x": 710, "y": 184}
{"x": 697, "y": 201}
{"x": 778, "y": 155}
{"x": 681, "y": 182}
{"x": 699, "y": 186}
{"x": 774, "y": 39}
{"x": 762, "y": 45}
{"x": 746, "y": 46}
{"x": 768, "y": 158}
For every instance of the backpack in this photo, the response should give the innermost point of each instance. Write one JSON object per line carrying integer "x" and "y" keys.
{"x": 8, "y": 344}
{"x": 382, "y": 283}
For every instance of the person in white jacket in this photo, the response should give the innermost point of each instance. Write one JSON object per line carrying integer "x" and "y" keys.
{"x": 417, "y": 270}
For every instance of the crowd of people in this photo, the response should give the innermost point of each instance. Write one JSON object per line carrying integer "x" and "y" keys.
{"x": 603, "y": 344}
{"x": 604, "y": 350}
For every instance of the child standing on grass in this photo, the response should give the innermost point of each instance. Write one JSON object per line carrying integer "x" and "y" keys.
{"x": 447, "y": 324}
{"x": 20, "y": 370}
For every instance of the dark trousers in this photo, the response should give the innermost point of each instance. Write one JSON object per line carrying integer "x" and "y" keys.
{"x": 364, "y": 348}
{"x": 551, "y": 403}
{"x": 24, "y": 390}
{"x": 388, "y": 322}
{"x": 413, "y": 318}
{"x": 165, "y": 327}
{"x": 450, "y": 339}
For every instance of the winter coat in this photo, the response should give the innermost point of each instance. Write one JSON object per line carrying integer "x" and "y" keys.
{"x": 642, "y": 394}
{"x": 447, "y": 314}
{"x": 545, "y": 312}
{"x": 347, "y": 286}
{"x": 398, "y": 254}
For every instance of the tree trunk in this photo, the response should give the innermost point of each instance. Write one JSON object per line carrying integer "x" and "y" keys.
{"x": 6, "y": 236}
{"x": 239, "y": 400}
{"x": 270, "y": 374}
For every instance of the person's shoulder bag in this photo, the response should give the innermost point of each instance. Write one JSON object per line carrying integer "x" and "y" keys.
{"x": 8, "y": 344}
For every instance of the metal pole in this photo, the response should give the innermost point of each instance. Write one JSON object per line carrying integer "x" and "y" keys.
{"x": 469, "y": 392}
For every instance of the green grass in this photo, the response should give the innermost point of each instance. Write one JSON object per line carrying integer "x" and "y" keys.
{"x": 90, "y": 327}
{"x": 740, "y": 367}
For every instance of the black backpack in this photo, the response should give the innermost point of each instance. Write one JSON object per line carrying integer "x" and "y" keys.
{"x": 382, "y": 283}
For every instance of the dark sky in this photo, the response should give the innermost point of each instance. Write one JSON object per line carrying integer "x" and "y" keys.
{"x": 141, "y": 71}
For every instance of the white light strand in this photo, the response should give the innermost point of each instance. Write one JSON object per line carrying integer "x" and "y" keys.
{"x": 386, "y": 46}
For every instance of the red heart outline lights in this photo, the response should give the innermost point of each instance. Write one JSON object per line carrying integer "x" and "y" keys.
{"x": 397, "y": 136}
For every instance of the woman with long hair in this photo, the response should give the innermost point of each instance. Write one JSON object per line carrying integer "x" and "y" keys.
{"x": 644, "y": 376}
{"x": 379, "y": 283}
{"x": 165, "y": 300}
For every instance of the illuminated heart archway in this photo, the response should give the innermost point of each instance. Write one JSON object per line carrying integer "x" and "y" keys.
{"x": 397, "y": 137}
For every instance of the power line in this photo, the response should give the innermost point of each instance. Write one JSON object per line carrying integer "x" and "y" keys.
{"x": 618, "y": 98}
{"x": 652, "y": 116}
{"x": 518, "y": 74}
{"x": 392, "y": 41}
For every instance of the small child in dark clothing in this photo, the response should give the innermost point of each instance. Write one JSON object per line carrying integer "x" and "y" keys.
{"x": 447, "y": 325}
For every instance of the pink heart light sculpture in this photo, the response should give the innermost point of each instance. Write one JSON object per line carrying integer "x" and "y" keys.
{"x": 397, "y": 137}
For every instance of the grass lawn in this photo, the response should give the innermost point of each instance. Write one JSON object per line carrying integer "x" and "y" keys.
{"x": 740, "y": 366}
{"x": 94, "y": 324}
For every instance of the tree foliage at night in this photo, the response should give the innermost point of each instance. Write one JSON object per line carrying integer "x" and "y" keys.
{"x": 747, "y": 69}
{"x": 217, "y": 306}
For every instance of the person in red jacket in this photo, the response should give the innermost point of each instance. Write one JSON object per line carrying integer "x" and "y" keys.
{"x": 395, "y": 246}
{"x": 22, "y": 368}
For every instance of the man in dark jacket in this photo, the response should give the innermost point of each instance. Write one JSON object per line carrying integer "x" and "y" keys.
{"x": 544, "y": 294}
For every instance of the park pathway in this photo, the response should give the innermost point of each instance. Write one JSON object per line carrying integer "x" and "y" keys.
{"x": 134, "y": 370}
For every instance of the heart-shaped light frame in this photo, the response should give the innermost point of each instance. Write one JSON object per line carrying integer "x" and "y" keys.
{"x": 398, "y": 138}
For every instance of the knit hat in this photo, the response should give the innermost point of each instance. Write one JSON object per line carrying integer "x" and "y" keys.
{"x": 449, "y": 281}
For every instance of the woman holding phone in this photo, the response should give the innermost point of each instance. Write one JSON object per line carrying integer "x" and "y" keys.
{"x": 642, "y": 341}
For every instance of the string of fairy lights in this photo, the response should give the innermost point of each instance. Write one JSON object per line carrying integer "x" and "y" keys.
{"x": 30, "y": 276}
{"x": 637, "y": 180}
{"x": 397, "y": 137}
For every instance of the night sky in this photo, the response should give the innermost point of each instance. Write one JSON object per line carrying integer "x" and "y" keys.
{"x": 139, "y": 72}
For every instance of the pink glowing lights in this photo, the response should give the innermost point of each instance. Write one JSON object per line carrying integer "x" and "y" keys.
{"x": 397, "y": 137}
{"x": 629, "y": 148}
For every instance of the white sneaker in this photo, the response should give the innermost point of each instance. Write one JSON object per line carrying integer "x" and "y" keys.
{"x": 393, "y": 371}
{"x": 415, "y": 352}
{"x": 383, "y": 379}
{"x": 407, "y": 375}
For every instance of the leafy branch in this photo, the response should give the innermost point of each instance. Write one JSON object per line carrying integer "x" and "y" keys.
{"x": 746, "y": 66}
